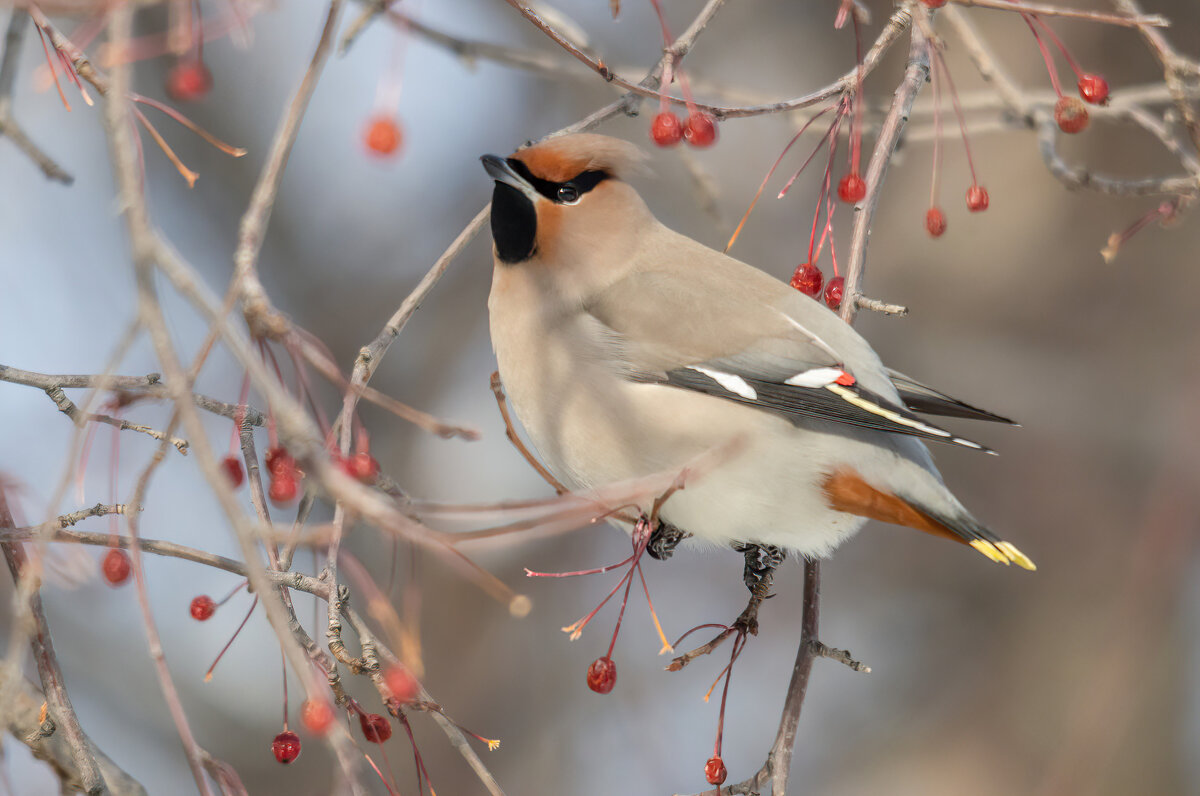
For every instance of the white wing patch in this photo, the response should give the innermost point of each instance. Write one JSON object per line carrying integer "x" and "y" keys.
{"x": 816, "y": 377}
{"x": 735, "y": 384}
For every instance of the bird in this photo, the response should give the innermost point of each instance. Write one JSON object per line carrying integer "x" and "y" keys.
{"x": 627, "y": 349}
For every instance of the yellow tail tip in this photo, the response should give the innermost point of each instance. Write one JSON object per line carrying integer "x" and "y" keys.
{"x": 1016, "y": 556}
{"x": 990, "y": 550}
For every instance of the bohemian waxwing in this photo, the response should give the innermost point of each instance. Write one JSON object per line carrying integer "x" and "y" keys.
{"x": 627, "y": 349}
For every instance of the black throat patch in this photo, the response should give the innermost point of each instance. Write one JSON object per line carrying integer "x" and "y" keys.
{"x": 514, "y": 224}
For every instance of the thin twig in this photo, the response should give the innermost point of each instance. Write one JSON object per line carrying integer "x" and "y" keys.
{"x": 916, "y": 74}
{"x": 151, "y": 386}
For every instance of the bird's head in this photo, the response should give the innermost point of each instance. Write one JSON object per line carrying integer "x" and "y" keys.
{"x": 563, "y": 199}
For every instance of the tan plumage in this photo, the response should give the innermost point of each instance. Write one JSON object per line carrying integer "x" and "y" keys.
{"x": 628, "y": 349}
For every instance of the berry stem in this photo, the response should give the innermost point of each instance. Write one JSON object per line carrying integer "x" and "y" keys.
{"x": 856, "y": 121}
{"x": 283, "y": 666}
{"x": 936, "y": 84}
{"x": 1046, "y": 56}
{"x": 958, "y": 112}
{"x": 621, "y": 614}
{"x": 208, "y": 675}
{"x": 771, "y": 172}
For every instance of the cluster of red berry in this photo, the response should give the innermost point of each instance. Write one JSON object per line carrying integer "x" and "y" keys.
{"x": 700, "y": 130}
{"x": 318, "y": 715}
{"x": 808, "y": 279}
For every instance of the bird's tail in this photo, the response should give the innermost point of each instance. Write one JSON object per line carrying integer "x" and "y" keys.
{"x": 847, "y": 491}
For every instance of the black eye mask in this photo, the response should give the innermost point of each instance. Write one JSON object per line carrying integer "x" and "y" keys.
{"x": 514, "y": 219}
{"x": 582, "y": 182}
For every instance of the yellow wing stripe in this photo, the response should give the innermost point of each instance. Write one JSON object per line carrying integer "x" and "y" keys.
{"x": 875, "y": 409}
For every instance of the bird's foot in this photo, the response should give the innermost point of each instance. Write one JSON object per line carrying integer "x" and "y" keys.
{"x": 664, "y": 539}
{"x": 761, "y": 562}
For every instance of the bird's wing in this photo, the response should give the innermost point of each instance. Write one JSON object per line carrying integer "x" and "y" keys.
{"x": 926, "y": 400}
{"x": 733, "y": 332}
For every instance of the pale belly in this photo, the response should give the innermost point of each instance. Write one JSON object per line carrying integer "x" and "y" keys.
{"x": 592, "y": 427}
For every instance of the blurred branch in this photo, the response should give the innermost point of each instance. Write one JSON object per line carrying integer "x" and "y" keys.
{"x": 13, "y": 37}
{"x": 1131, "y": 19}
{"x": 58, "y": 701}
{"x": 25, "y": 715}
{"x": 1175, "y": 69}
{"x": 1041, "y": 118}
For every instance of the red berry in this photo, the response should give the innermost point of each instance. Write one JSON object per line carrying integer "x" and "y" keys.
{"x": 401, "y": 683}
{"x": 852, "y": 188}
{"x": 286, "y": 747}
{"x": 714, "y": 770}
{"x": 666, "y": 129}
{"x": 934, "y": 3}
{"x": 833, "y": 292}
{"x": 116, "y": 567}
{"x": 279, "y": 460}
{"x": 602, "y": 675}
{"x": 1070, "y": 114}
{"x": 383, "y": 135}
{"x": 375, "y": 728}
{"x": 935, "y": 222}
{"x": 364, "y": 467}
{"x": 701, "y": 129}
{"x": 203, "y": 608}
{"x": 283, "y": 489}
{"x": 977, "y": 199}
{"x": 189, "y": 81}
{"x": 1093, "y": 89}
{"x": 233, "y": 470}
{"x": 317, "y": 716}
{"x": 808, "y": 279}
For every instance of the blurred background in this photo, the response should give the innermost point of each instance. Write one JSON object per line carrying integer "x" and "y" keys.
{"x": 1076, "y": 679}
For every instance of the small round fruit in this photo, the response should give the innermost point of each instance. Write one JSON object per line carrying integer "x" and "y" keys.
{"x": 363, "y": 467}
{"x": 1093, "y": 89}
{"x": 286, "y": 747}
{"x": 317, "y": 716}
{"x": 833, "y": 292}
{"x": 666, "y": 129}
{"x": 233, "y": 470}
{"x": 375, "y": 728}
{"x": 116, "y": 566}
{"x": 700, "y": 130}
{"x": 852, "y": 188}
{"x": 401, "y": 683}
{"x": 977, "y": 199}
{"x": 934, "y": 3}
{"x": 808, "y": 279}
{"x": 189, "y": 81}
{"x": 279, "y": 460}
{"x": 602, "y": 675}
{"x": 383, "y": 135}
{"x": 203, "y": 608}
{"x": 283, "y": 489}
{"x": 714, "y": 770}
{"x": 1070, "y": 114}
{"x": 935, "y": 222}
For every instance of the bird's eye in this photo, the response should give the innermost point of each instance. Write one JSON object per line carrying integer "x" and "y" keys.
{"x": 568, "y": 194}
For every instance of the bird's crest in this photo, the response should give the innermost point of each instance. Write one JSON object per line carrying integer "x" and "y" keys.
{"x": 561, "y": 159}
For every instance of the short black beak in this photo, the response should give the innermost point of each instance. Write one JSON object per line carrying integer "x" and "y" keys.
{"x": 499, "y": 170}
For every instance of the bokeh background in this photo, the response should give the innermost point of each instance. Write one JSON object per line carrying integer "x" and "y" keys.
{"x": 1076, "y": 679}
